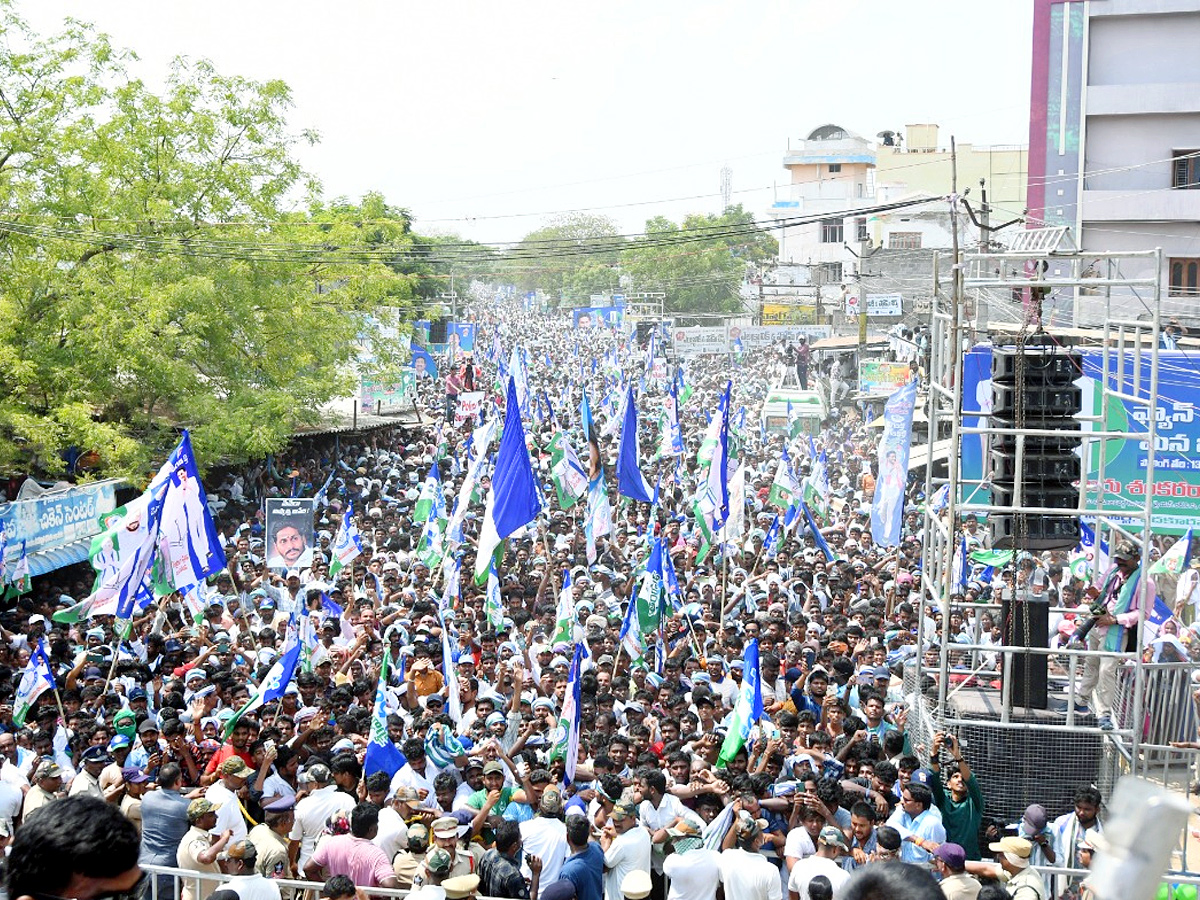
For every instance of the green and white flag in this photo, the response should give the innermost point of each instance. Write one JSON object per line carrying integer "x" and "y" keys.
{"x": 816, "y": 487}
{"x": 431, "y": 544}
{"x": 1173, "y": 562}
{"x": 21, "y": 580}
{"x": 567, "y": 472}
{"x": 428, "y": 495}
{"x": 493, "y": 607}
{"x": 564, "y": 627}
{"x": 747, "y": 710}
{"x": 36, "y": 679}
{"x": 783, "y": 488}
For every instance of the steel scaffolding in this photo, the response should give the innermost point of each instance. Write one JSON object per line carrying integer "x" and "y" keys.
{"x": 1041, "y": 266}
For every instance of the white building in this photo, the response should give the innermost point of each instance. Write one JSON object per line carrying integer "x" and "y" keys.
{"x": 1115, "y": 134}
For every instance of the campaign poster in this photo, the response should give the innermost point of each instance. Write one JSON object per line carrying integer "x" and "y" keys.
{"x": 460, "y": 337}
{"x": 467, "y": 410}
{"x": 877, "y": 376}
{"x": 884, "y": 305}
{"x": 377, "y": 393}
{"x": 289, "y": 533}
{"x": 887, "y": 507}
{"x": 1177, "y": 436}
{"x": 423, "y": 365}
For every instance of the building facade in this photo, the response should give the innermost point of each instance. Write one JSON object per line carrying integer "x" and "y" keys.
{"x": 1114, "y": 136}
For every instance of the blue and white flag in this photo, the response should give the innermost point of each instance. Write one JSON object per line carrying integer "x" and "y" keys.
{"x": 747, "y": 710}
{"x": 715, "y": 502}
{"x": 191, "y": 547}
{"x": 520, "y": 377}
{"x": 630, "y": 480}
{"x": 770, "y": 546}
{"x": 382, "y": 755}
{"x": 278, "y": 677}
{"x": 887, "y": 507}
{"x": 453, "y": 703}
{"x": 564, "y": 740}
{"x": 36, "y": 679}
{"x": 514, "y": 499}
{"x": 321, "y": 497}
{"x": 961, "y": 565}
{"x": 347, "y": 544}
{"x": 672, "y": 434}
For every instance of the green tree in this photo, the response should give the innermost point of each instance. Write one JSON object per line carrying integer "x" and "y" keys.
{"x": 699, "y": 264}
{"x": 153, "y": 271}
{"x": 570, "y": 257}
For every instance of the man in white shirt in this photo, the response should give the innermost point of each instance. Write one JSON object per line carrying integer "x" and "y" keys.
{"x": 545, "y": 836}
{"x": 626, "y": 848}
{"x": 238, "y": 862}
{"x": 659, "y": 811}
{"x": 694, "y": 871}
{"x": 232, "y": 773}
{"x": 830, "y": 845}
{"x": 314, "y": 810}
{"x": 418, "y": 773}
{"x": 746, "y": 873}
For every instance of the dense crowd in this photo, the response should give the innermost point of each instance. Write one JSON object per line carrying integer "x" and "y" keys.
{"x": 830, "y": 796}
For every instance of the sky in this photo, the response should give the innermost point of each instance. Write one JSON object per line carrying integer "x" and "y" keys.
{"x": 487, "y": 120}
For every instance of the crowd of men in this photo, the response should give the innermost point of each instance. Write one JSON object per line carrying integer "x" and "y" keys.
{"x": 828, "y": 798}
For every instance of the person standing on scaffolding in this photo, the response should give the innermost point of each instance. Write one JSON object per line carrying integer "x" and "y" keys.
{"x": 1114, "y": 631}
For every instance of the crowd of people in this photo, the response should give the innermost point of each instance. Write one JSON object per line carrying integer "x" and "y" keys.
{"x": 149, "y": 751}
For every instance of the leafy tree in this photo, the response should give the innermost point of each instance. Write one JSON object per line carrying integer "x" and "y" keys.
{"x": 571, "y": 257}
{"x": 699, "y": 264}
{"x": 153, "y": 269}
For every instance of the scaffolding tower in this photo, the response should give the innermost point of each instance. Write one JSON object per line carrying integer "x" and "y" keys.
{"x": 968, "y": 688}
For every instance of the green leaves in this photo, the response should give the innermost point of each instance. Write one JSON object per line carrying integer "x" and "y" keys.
{"x": 154, "y": 272}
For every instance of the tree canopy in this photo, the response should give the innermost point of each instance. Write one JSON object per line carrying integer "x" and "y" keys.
{"x": 699, "y": 264}
{"x": 165, "y": 261}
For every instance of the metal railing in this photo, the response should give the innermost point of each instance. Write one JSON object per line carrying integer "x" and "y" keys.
{"x": 168, "y": 883}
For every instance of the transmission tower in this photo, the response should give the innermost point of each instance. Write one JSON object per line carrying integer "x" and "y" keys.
{"x": 726, "y": 186}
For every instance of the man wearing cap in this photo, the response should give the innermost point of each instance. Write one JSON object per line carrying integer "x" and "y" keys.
{"x": 626, "y": 847}
{"x": 1021, "y": 879}
{"x": 745, "y": 873}
{"x": 831, "y": 845}
{"x": 233, "y": 774}
{"x": 545, "y": 836}
{"x": 240, "y": 863}
{"x": 87, "y": 781}
{"x": 198, "y": 851}
{"x": 950, "y": 862}
{"x": 270, "y": 839}
{"x": 490, "y": 802}
{"x": 1115, "y": 630}
{"x": 314, "y": 811}
{"x": 47, "y": 782}
{"x": 461, "y": 887}
{"x": 463, "y": 860}
{"x": 693, "y": 870}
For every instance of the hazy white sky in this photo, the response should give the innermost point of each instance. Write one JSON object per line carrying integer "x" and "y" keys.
{"x": 486, "y": 118}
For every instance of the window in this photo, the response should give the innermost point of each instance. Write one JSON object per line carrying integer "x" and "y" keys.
{"x": 831, "y": 231}
{"x": 834, "y": 168}
{"x": 860, "y": 229}
{"x": 904, "y": 240}
{"x": 830, "y": 273}
{"x": 1185, "y": 277}
{"x": 1185, "y": 173}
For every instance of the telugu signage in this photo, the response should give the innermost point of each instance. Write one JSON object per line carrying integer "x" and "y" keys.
{"x": 387, "y": 394}
{"x": 884, "y": 305}
{"x": 877, "y": 376}
{"x": 57, "y": 518}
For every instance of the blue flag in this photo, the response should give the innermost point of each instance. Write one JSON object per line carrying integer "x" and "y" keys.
{"x": 382, "y": 754}
{"x": 630, "y": 480}
{"x": 887, "y": 507}
{"x": 816, "y": 533}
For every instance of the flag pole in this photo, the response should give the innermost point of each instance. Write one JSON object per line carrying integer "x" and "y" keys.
{"x": 113, "y": 668}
